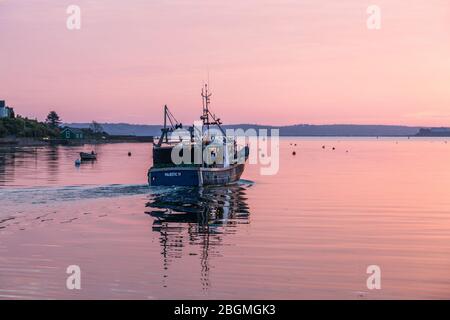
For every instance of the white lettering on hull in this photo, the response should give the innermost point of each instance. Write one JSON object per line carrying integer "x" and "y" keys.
{"x": 172, "y": 174}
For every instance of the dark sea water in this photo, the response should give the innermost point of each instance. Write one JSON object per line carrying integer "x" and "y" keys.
{"x": 310, "y": 231}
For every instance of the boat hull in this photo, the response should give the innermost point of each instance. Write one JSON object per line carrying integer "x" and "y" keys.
{"x": 174, "y": 176}
{"x": 194, "y": 176}
{"x": 87, "y": 156}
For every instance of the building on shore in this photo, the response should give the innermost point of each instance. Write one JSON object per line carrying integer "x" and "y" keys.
{"x": 434, "y": 132}
{"x": 72, "y": 134}
{"x": 5, "y": 111}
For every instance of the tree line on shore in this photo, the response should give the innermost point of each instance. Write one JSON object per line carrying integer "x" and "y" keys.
{"x": 23, "y": 127}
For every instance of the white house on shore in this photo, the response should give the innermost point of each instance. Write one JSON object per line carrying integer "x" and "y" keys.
{"x": 5, "y": 111}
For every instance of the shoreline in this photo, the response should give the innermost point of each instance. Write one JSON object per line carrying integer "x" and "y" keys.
{"x": 38, "y": 142}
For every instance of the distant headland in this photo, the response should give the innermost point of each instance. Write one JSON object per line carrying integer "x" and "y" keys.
{"x": 302, "y": 130}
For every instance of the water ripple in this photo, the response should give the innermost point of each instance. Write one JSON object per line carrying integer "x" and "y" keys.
{"x": 43, "y": 195}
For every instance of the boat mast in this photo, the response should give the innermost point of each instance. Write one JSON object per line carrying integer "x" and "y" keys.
{"x": 206, "y": 99}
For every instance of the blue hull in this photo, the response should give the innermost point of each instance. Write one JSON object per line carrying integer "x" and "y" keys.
{"x": 194, "y": 176}
{"x": 174, "y": 177}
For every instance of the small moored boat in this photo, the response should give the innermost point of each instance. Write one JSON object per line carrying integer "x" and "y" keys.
{"x": 88, "y": 156}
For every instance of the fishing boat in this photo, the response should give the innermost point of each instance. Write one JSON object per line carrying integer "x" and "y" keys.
{"x": 209, "y": 156}
{"x": 84, "y": 156}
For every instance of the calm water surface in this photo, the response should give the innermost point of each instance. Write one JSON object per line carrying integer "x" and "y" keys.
{"x": 308, "y": 232}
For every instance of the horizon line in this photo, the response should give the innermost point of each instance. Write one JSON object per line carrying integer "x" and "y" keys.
{"x": 273, "y": 126}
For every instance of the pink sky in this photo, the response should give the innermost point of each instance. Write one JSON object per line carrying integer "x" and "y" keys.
{"x": 269, "y": 61}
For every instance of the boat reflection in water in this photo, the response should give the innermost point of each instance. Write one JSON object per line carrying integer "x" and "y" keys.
{"x": 202, "y": 217}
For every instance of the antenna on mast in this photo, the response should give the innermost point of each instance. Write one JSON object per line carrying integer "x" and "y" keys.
{"x": 206, "y": 95}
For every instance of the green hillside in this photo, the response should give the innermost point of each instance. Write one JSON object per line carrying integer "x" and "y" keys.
{"x": 24, "y": 127}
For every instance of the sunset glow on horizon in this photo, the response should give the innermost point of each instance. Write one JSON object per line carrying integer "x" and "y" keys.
{"x": 276, "y": 62}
